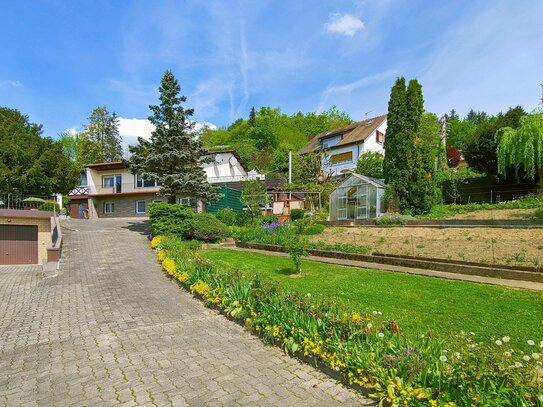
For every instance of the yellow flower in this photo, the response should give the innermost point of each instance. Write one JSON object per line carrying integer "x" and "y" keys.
{"x": 156, "y": 241}
{"x": 169, "y": 265}
{"x": 201, "y": 288}
{"x": 183, "y": 277}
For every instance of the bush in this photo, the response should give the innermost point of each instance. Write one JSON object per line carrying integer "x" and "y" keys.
{"x": 538, "y": 215}
{"x": 170, "y": 219}
{"x": 267, "y": 219}
{"x": 314, "y": 229}
{"x": 227, "y": 216}
{"x": 393, "y": 219}
{"x": 296, "y": 214}
{"x": 49, "y": 206}
{"x": 206, "y": 228}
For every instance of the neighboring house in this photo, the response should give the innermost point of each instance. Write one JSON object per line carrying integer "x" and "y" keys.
{"x": 111, "y": 190}
{"x": 342, "y": 147}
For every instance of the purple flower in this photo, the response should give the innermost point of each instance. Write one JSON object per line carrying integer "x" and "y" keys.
{"x": 272, "y": 227}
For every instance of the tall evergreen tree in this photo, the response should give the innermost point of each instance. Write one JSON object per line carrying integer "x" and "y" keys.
{"x": 100, "y": 141}
{"x": 174, "y": 155}
{"x": 408, "y": 162}
{"x": 252, "y": 117}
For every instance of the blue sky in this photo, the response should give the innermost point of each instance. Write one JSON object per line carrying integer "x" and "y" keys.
{"x": 60, "y": 59}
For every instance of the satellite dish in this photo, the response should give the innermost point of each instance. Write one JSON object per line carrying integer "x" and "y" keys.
{"x": 218, "y": 158}
{"x": 233, "y": 161}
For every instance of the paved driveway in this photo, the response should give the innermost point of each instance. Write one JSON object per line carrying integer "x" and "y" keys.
{"x": 111, "y": 328}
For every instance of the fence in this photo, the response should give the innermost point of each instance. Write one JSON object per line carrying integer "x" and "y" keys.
{"x": 27, "y": 202}
{"x": 485, "y": 190}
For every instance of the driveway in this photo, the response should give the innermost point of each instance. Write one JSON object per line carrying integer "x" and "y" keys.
{"x": 111, "y": 328}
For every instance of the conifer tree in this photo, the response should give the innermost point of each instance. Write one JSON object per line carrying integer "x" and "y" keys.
{"x": 174, "y": 154}
{"x": 252, "y": 117}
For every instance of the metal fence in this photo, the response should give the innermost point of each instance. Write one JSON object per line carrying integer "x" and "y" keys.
{"x": 27, "y": 202}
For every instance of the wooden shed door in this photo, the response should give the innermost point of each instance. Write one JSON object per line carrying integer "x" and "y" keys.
{"x": 18, "y": 244}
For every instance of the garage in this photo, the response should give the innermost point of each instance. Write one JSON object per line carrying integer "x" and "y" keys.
{"x": 18, "y": 244}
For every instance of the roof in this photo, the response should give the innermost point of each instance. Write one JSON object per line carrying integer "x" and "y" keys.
{"x": 372, "y": 180}
{"x": 353, "y": 133}
{"x": 113, "y": 165}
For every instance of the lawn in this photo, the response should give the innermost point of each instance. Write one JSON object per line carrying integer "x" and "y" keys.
{"x": 419, "y": 304}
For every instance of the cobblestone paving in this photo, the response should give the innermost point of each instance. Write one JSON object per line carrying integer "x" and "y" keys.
{"x": 112, "y": 329}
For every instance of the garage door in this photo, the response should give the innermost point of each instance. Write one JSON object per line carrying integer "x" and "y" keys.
{"x": 18, "y": 244}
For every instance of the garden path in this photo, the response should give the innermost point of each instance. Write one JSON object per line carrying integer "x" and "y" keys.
{"x": 530, "y": 285}
{"x": 110, "y": 328}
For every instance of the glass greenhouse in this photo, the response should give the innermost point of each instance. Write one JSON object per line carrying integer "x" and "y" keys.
{"x": 358, "y": 197}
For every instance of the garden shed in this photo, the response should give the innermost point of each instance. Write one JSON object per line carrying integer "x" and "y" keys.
{"x": 358, "y": 197}
{"x": 231, "y": 198}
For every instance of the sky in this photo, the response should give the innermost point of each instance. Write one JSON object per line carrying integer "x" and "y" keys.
{"x": 60, "y": 59}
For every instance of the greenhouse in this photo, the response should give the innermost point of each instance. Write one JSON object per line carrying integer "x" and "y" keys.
{"x": 358, "y": 197}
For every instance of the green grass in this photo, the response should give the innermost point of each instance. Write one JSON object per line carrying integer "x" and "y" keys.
{"x": 419, "y": 304}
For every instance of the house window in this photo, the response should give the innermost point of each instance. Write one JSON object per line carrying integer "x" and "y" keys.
{"x": 380, "y": 137}
{"x": 109, "y": 208}
{"x": 141, "y": 207}
{"x": 192, "y": 202}
{"x": 108, "y": 181}
{"x": 341, "y": 158}
{"x": 144, "y": 183}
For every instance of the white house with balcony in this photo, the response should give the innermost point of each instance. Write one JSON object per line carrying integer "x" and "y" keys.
{"x": 342, "y": 147}
{"x": 110, "y": 190}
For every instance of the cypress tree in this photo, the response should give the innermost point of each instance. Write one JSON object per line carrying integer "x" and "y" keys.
{"x": 174, "y": 154}
{"x": 252, "y": 117}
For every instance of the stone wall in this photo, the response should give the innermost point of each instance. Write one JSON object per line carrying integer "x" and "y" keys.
{"x": 125, "y": 206}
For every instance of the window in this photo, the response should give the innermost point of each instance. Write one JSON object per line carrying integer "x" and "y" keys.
{"x": 143, "y": 183}
{"x": 141, "y": 207}
{"x": 330, "y": 141}
{"x": 109, "y": 208}
{"x": 380, "y": 137}
{"x": 108, "y": 181}
{"x": 192, "y": 202}
{"x": 341, "y": 158}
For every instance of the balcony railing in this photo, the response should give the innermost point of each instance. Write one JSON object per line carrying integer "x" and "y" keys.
{"x": 10, "y": 200}
{"x": 122, "y": 188}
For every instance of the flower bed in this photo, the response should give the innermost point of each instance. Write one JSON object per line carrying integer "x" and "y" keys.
{"x": 366, "y": 348}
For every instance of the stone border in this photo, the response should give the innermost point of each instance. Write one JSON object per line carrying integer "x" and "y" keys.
{"x": 443, "y": 223}
{"x": 478, "y": 269}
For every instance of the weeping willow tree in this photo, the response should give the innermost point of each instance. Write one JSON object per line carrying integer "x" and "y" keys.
{"x": 523, "y": 147}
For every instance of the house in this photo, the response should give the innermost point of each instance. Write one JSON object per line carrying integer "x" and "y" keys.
{"x": 342, "y": 147}
{"x": 110, "y": 190}
{"x": 357, "y": 198}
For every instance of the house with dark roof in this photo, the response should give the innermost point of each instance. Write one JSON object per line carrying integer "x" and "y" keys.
{"x": 341, "y": 147}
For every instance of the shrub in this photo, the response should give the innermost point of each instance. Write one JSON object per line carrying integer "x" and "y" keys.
{"x": 206, "y": 228}
{"x": 538, "y": 215}
{"x": 170, "y": 219}
{"x": 296, "y": 214}
{"x": 313, "y": 229}
{"x": 297, "y": 248}
{"x": 453, "y": 157}
{"x": 49, "y": 206}
{"x": 392, "y": 219}
{"x": 268, "y": 219}
{"x": 227, "y": 216}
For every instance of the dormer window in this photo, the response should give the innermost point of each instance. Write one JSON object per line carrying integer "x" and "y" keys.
{"x": 330, "y": 142}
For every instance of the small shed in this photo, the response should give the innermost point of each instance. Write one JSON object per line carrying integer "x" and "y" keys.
{"x": 231, "y": 198}
{"x": 358, "y": 197}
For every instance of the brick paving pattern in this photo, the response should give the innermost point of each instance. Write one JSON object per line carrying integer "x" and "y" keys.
{"x": 112, "y": 329}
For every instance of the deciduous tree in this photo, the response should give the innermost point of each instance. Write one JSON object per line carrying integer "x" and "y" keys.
{"x": 100, "y": 141}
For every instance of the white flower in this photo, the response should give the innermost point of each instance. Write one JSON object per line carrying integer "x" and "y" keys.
{"x": 508, "y": 354}
{"x": 457, "y": 355}
{"x": 369, "y": 326}
{"x": 443, "y": 358}
{"x": 518, "y": 364}
{"x": 540, "y": 397}
{"x": 498, "y": 342}
{"x": 541, "y": 344}
{"x": 506, "y": 339}
{"x": 374, "y": 312}
{"x": 536, "y": 355}
{"x": 531, "y": 343}
{"x": 380, "y": 335}
{"x": 526, "y": 358}
{"x": 472, "y": 333}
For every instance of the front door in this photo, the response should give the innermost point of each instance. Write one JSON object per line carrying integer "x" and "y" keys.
{"x": 80, "y": 210}
{"x": 362, "y": 202}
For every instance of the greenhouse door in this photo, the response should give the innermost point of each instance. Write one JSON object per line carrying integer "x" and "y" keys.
{"x": 342, "y": 204}
{"x": 362, "y": 202}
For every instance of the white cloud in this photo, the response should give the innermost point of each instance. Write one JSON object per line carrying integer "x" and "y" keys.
{"x": 135, "y": 128}
{"x": 345, "y": 24}
{"x": 10, "y": 84}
